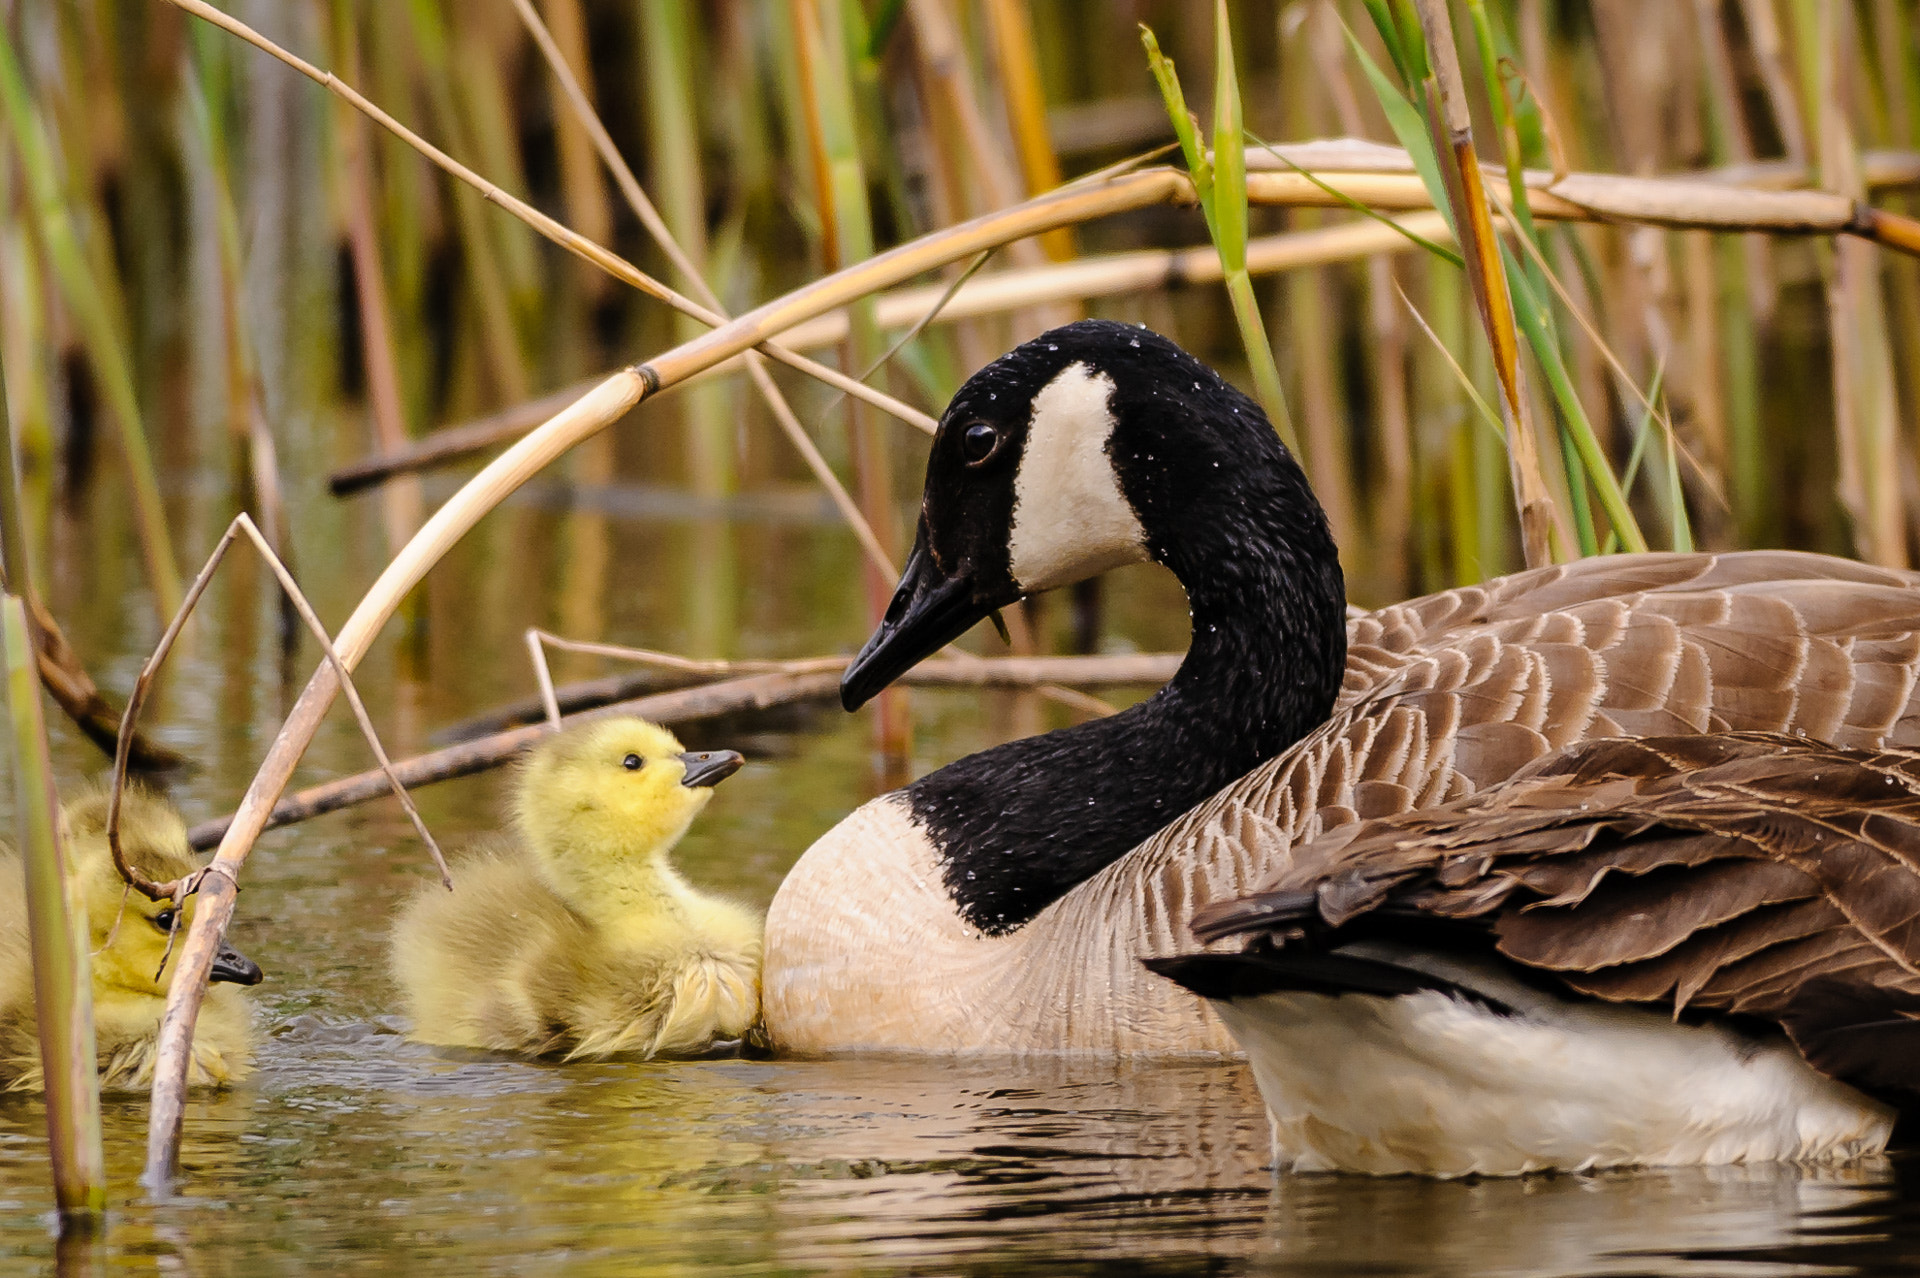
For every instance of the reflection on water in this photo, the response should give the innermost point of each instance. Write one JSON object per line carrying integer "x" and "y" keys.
{"x": 353, "y": 1147}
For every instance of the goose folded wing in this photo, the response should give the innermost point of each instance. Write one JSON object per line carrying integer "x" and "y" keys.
{"x": 1745, "y": 874}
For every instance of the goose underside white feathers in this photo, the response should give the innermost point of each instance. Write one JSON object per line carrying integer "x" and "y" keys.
{"x": 1738, "y": 885}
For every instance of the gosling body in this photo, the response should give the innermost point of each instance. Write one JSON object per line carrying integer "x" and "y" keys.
{"x": 127, "y": 938}
{"x": 579, "y": 939}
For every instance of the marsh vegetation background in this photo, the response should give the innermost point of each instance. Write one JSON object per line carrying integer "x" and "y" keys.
{"x": 218, "y": 285}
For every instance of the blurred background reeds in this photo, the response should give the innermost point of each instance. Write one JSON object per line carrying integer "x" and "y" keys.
{"x": 218, "y": 285}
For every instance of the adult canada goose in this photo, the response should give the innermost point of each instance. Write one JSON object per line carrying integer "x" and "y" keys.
{"x": 1697, "y": 949}
{"x": 128, "y": 935}
{"x": 1003, "y": 902}
{"x": 580, "y": 939}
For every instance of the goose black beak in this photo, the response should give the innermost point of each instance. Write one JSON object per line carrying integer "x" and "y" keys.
{"x": 709, "y": 767}
{"x": 929, "y": 611}
{"x": 230, "y": 964}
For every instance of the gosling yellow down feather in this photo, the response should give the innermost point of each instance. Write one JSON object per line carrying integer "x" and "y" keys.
{"x": 127, "y": 937}
{"x": 579, "y": 938}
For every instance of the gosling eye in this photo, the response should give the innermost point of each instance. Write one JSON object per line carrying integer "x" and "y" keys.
{"x": 164, "y": 920}
{"x": 980, "y": 442}
{"x": 633, "y": 763}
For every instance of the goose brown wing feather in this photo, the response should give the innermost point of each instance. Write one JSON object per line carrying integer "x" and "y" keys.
{"x": 1457, "y": 691}
{"x": 1747, "y": 874}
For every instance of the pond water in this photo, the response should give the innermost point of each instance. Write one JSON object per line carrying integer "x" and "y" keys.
{"x": 352, "y": 1150}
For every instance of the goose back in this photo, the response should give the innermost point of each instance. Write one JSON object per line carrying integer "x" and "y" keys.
{"x": 1443, "y": 696}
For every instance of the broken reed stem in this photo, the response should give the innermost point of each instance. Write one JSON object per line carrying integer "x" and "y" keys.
{"x": 600, "y": 256}
{"x": 242, "y": 524}
{"x": 538, "y": 640}
{"x": 801, "y": 681}
{"x": 56, "y": 919}
{"x": 218, "y": 883}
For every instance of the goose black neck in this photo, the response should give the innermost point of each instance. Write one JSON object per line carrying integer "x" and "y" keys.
{"x": 1232, "y": 516}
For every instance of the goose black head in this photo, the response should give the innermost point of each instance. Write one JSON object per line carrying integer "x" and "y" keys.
{"x": 1089, "y": 447}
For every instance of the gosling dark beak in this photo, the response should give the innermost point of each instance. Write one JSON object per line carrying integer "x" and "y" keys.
{"x": 231, "y": 965}
{"x": 929, "y": 611}
{"x": 709, "y": 767}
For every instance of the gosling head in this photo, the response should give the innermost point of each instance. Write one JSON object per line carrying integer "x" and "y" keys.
{"x": 1094, "y": 445}
{"x": 129, "y": 933}
{"x": 617, "y": 789}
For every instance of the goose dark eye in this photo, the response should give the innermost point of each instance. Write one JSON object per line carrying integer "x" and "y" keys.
{"x": 979, "y": 443}
{"x": 633, "y": 763}
{"x": 164, "y": 920}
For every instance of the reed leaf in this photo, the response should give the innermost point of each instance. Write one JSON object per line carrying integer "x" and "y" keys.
{"x": 1220, "y": 182}
{"x": 56, "y": 923}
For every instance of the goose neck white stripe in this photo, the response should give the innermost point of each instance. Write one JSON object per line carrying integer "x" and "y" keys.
{"x": 1070, "y": 519}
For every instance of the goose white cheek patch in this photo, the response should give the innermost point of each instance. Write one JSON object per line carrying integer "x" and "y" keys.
{"x": 1070, "y": 519}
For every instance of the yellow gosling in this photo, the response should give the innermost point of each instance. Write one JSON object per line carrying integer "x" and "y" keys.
{"x": 579, "y": 938}
{"x": 128, "y": 936}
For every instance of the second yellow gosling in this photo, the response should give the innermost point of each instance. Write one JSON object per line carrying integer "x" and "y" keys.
{"x": 128, "y": 936}
{"x": 579, "y": 938}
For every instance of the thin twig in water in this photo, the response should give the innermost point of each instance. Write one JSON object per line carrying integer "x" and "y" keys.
{"x": 536, "y": 638}
{"x": 176, "y": 889}
{"x": 538, "y": 653}
{"x": 817, "y": 681}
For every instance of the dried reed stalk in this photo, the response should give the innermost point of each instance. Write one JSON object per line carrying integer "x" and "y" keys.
{"x": 786, "y": 684}
{"x": 593, "y": 412}
{"x": 1103, "y": 275}
{"x": 242, "y": 525}
{"x": 1448, "y": 117}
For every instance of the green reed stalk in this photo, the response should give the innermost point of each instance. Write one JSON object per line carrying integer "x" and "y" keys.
{"x": 26, "y": 343}
{"x": 52, "y": 220}
{"x": 1221, "y": 183}
{"x": 506, "y": 362}
{"x": 62, "y": 975}
{"x": 62, "y": 981}
{"x": 673, "y": 129}
{"x": 403, "y": 192}
{"x": 486, "y": 110}
{"x": 583, "y": 188}
{"x": 846, "y": 227}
